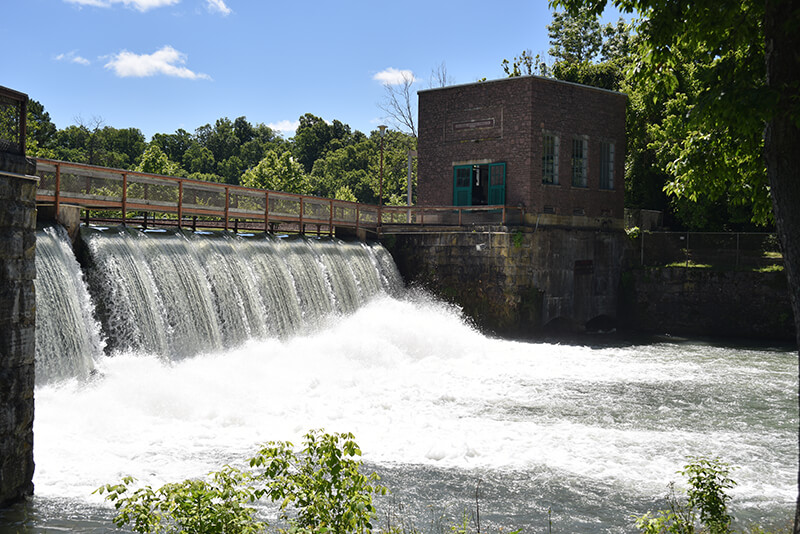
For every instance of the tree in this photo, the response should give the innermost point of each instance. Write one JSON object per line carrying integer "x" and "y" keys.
{"x": 751, "y": 85}
{"x": 314, "y": 137}
{"x": 41, "y": 132}
{"x": 576, "y": 36}
{"x": 198, "y": 158}
{"x": 356, "y": 167}
{"x": 277, "y": 172}
{"x": 525, "y": 65}
{"x": 119, "y": 148}
{"x": 440, "y": 77}
{"x": 398, "y": 103}
{"x": 154, "y": 161}
{"x": 353, "y": 167}
{"x": 174, "y": 145}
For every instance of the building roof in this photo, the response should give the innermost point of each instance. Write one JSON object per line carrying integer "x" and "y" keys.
{"x": 527, "y": 77}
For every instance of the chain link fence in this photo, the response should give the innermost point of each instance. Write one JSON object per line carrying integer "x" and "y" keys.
{"x": 13, "y": 107}
{"x": 718, "y": 250}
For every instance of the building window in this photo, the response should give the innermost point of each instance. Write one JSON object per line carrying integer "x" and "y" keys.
{"x": 549, "y": 159}
{"x": 606, "y": 165}
{"x": 579, "y": 158}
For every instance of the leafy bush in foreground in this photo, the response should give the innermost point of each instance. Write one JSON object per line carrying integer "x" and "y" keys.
{"x": 706, "y": 497}
{"x": 322, "y": 483}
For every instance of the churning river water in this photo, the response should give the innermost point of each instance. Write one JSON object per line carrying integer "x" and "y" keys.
{"x": 582, "y": 438}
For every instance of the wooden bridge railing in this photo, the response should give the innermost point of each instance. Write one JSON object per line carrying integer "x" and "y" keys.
{"x": 127, "y": 196}
{"x": 116, "y": 194}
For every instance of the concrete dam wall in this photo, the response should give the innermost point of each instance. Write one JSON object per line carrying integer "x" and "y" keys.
{"x": 519, "y": 282}
{"x": 527, "y": 282}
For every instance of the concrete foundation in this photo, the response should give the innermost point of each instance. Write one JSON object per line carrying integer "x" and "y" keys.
{"x": 521, "y": 282}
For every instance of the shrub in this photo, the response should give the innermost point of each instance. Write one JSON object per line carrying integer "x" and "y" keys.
{"x": 706, "y": 496}
{"x": 323, "y": 483}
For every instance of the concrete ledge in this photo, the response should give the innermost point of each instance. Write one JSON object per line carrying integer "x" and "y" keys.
{"x": 68, "y": 216}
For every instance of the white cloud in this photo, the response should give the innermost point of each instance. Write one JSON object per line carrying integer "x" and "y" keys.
{"x": 72, "y": 57}
{"x": 286, "y": 127}
{"x": 141, "y": 5}
{"x": 218, "y": 6}
{"x": 393, "y": 76}
{"x": 166, "y": 61}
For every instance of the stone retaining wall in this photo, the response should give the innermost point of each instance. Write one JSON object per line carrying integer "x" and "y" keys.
{"x": 517, "y": 283}
{"x": 17, "y": 336}
{"x": 527, "y": 282}
{"x": 676, "y": 300}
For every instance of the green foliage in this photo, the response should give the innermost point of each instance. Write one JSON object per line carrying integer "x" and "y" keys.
{"x": 705, "y": 502}
{"x": 575, "y": 37}
{"x": 357, "y": 168}
{"x": 314, "y": 137}
{"x": 698, "y": 105}
{"x": 319, "y": 489}
{"x": 323, "y": 484}
{"x": 517, "y": 238}
{"x": 324, "y": 159}
{"x": 526, "y": 64}
{"x": 277, "y": 172}
{"x": 41, "y": 131}
{"x": 216, "y": 506}
{"x": 709, "y": 480}
{"x": 634, "y": 232}
{"x": 343, "y": 192}
{"x": 155, "y": 161}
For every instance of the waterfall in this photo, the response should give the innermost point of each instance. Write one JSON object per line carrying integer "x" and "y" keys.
{"x": 68, "y": 338}
{"x": 177, "y": 294}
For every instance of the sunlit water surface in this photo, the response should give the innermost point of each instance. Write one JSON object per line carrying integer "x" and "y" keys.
{"x": 584, "y": 437}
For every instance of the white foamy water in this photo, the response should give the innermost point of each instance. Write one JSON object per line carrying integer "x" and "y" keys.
{"x": 593, "y": 433}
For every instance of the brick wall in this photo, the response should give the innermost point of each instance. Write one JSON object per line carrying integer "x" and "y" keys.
{"x": 503, "y": 121}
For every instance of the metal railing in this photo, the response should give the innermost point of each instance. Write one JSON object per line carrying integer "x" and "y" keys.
{"x": 721, "y": 250}
{"x": 128, "y": 196}
{"x": 450, "y": 215}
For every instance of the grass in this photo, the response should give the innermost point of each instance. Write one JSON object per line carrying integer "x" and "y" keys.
{"x": 769, "y": 269}
{"x": 690, "y": 264}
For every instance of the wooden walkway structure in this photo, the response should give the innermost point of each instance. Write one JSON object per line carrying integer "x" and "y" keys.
{"x": 127, "y": 197}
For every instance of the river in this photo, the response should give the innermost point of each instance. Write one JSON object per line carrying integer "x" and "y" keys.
{"x": 585, "y": 437}
{"x": 221, "y": 343}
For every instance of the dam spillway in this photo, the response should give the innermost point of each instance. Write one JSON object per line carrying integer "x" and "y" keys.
{"x": 177, "y": 294}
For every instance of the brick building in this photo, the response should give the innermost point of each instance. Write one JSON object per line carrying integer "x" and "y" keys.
{"x": 554, "y": 148}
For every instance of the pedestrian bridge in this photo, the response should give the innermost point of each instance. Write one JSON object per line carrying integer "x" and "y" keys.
{"x": 116, "y": 196}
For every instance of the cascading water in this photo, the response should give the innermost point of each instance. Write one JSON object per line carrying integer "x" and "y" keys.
{"x": 587, "y": 437}
{"x": 68, "y": 339}
{"x": 179, "y": 295}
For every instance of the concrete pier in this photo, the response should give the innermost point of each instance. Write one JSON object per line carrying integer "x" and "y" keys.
{"x": 17, "y": 326}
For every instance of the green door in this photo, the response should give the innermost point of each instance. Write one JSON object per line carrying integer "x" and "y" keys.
{"x": 462, "y": 185}
{"x": 497, "y": 184}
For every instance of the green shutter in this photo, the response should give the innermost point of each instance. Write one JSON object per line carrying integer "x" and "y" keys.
{"x": 497, "y": 184}
{"x": 462, "y": 185}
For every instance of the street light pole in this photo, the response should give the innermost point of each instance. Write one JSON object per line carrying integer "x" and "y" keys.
{"x": 382, "y": 128}
{"x": 411, "y": 154}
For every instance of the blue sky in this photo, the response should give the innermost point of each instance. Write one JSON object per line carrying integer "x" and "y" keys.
{"x": 160, "y": 65}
